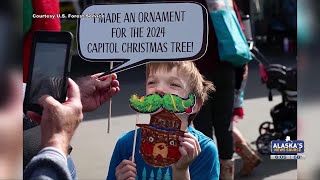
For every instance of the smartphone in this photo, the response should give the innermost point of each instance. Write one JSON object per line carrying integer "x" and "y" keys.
{"x": 49, "y": 68}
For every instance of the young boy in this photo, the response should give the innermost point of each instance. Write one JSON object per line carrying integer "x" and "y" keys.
{"x": 199, "y": 155}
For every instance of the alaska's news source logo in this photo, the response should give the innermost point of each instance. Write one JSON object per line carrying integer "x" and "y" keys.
{"x": 287, "y": 146}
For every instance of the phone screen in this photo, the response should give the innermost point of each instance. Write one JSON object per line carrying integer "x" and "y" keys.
{"x": 48, "y": 71}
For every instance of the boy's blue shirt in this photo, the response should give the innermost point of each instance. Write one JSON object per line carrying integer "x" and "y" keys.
{"x": 205, "y": 166}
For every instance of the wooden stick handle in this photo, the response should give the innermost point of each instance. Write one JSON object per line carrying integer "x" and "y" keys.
{"x": 110, "y": 103}
{"x": 135, "y": 138}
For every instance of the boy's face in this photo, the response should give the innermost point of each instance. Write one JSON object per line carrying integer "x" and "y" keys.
{"x": 167, "y": 82}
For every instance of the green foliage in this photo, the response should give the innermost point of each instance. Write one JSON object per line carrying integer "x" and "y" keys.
{"x": 27, "y": 15}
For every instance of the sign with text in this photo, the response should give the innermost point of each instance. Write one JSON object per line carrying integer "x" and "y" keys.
{"x": 139, "y": 33}
{"x": 287, "y": 146}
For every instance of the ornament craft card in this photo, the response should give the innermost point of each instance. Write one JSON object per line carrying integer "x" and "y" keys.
{"x": 160, "y": 138}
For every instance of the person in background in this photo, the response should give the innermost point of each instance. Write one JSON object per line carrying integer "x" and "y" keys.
{"x": 217, "y": 112}
{"x": 242, "y": 148}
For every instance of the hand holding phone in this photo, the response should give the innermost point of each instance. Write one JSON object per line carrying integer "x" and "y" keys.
{"x": 48, "y": 69}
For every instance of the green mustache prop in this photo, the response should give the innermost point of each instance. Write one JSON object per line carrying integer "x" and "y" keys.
{"x": 171, "y": 102}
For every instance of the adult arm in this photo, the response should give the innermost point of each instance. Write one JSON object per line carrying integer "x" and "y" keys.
{"x": 50, "y": 163}
{"x": 58, "y": 124}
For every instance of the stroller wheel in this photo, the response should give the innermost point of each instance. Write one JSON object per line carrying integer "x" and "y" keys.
{"x": 266, "y": 128}
{"x": 263, "y": 143}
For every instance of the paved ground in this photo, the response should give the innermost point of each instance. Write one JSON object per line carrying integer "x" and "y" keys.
{"x": 93, "y": 146}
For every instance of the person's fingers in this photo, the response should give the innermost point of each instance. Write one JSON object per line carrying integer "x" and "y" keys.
{"x": 125, "y": 166}
{"x": 191, "y": 142}
{"x": 127, "y": 174}
{"x": 107, "y": 95}
{"x": 194, "y": 141}
{"x": 189, "y": 135}
{"x": 190, "y": 149}
{"x": 128, "y": 166}
{"x": 114, "y": 76}
{"x": 73, "y": 91}
{"x": 117, "y": 89}
{"x": 103, "y": 85}
{"x": 115, "y": 83}
{"x": 34, "y": 116}
{"x": 74, "y": 99}
{"x": 103, "y": 78}
{"x": 191, "y": 145}
{"x": 183, "y": 151}
{"x": 124, "y": 163}
{"x": 46, "y": 101}
{"x": 99, "y": 74}
{"x": 118, "y": 168}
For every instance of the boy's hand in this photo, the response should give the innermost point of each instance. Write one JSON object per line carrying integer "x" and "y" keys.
{"x": 189, "y": 149}
{"x": 126, "y": 170}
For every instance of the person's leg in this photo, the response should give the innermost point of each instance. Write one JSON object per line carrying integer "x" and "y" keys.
{"x": 224, "y": 80}
{"x": 223, "y": 106}
{"x": 237, "y": 136}
{"x": 249, "y": 156}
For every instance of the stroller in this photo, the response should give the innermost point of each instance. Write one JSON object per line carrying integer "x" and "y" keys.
{"x": 280, "y": 78}
{"x": 284, "y": 115}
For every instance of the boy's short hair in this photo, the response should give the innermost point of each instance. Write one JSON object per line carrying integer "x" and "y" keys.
{"x": 198, "y": 85}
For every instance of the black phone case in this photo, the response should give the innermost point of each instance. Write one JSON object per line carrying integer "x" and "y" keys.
{"x": 48, "y": 37}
